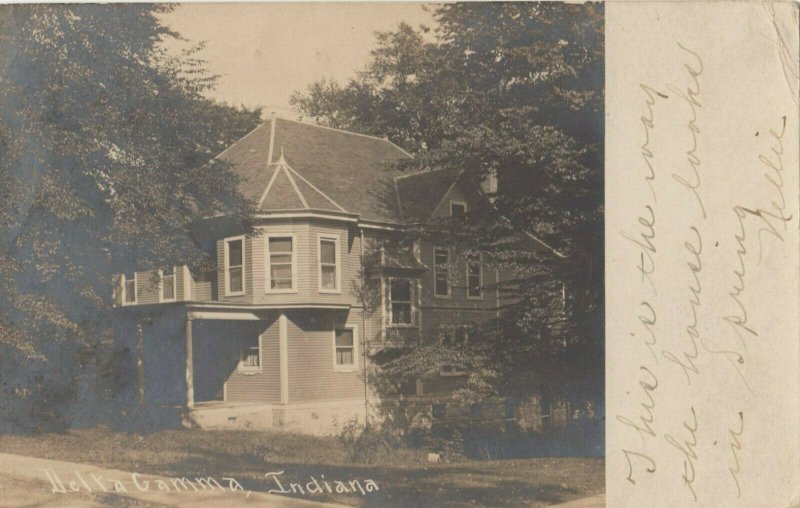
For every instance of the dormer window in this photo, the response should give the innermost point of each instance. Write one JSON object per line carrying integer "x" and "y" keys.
{"x": 458, "y": 208}
{"x": 234, "y": 266}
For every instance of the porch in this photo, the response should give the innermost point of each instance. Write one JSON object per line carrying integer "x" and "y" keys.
{"x": 232, "y": 366}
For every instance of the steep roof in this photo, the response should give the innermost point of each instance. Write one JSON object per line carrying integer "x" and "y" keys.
{"x": 290, "y": 165}
{"x": 420, "y": 193}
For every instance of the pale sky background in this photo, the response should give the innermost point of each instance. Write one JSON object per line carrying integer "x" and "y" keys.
{"x": 266, "y": 51}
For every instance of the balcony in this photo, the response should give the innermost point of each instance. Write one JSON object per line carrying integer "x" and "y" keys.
{"x": 162, "y": 286}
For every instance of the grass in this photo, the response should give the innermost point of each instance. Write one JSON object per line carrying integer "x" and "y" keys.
{"x": 404, "y": 476}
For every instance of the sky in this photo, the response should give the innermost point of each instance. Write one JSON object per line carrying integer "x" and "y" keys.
{"x": 264, "y": 52}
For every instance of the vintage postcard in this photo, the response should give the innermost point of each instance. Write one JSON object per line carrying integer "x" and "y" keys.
{"x": 399, "y": 254}
{"x": 702, "y": 255}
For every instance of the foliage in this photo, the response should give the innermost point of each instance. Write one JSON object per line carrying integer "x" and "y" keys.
{"x": 103, "y": 143}
{"x": 368, "y": 445}
{"x": 513, "y": 90}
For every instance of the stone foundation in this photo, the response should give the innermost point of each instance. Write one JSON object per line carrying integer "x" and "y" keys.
{"x": 319, "y": 418}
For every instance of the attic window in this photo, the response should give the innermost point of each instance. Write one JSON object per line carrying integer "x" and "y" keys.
{"x": 458, "y": 208}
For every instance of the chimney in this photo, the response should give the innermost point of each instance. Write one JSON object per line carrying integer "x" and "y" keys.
{"x": 489, "y": 183}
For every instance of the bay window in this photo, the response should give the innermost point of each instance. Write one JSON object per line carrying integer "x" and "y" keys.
{"x": 400, "y": 301}
{"x": 329, "y": 264}
{"x": 280, "y": 260}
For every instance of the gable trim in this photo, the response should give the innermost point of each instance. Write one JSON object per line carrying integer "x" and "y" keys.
{"x": 447, "y": 193}
{"x": 271, "y": 141}
{"x": 295, "y": 187}
{"x": 309, "y": 213}
{"x": 301, "y": 177}
{"x": 269, "y": 186}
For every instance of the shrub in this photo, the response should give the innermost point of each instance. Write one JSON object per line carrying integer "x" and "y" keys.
{"x": 371, "y": 444}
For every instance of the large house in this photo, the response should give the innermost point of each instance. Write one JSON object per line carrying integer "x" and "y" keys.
{"x": 286, "y": 331}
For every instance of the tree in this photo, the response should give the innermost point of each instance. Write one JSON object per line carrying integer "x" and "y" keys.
{"x": 104, "y": 139}
{"x": 514, "y": 90}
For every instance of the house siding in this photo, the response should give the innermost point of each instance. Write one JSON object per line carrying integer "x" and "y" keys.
{"x": 312, "y": 376}
{"x": 458, "y": 284}
{"x": 455, "y": 194}
{"x": 263, "y": 386}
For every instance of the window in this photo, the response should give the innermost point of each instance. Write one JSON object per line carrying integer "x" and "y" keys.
{"x": 329, "y": 264}
{"x": 474, "y": 280}
{"x": 344, "y": 346}
{"x": 168, "y": 285}
{"x": 441, "y": 272}
{"x": 234, "y": 266}
{"x": 280, "y": 256}
{"x": 454, "y": 337}
{"x": 250, "y": 354}
{"x": 458, "y": 208}
{"x": 129, "y": 289}
{"x": 510, "y": 409}
{"x": 400, "y": 298}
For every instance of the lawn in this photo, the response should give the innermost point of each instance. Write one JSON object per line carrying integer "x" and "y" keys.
{"x": 404, "y": 477}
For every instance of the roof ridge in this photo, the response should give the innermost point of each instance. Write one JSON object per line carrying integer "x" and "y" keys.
{"x": 314, "y": 187}
{"x": 240, "y": 140}
{"x": 424, "y": 172}
{"x": 385, "y": 140}
{"x": 271, "y": 140}
{"x": 397, "y": 199}
{"x": 294, "y": 184}
{"x": 269, "y": 185}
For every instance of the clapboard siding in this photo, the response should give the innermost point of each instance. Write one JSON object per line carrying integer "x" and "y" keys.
{"x": 435, "y": 319}
{"x": 147, "y": 287}
{"x": 312, "y": 376}
{"x": 455, "y": 194}
{"x": 458, "y": 284}
{"x": 261, "y": 386}
{"x": 201, "y": 291}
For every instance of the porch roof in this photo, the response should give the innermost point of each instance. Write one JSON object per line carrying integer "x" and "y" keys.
{"x": 233, "y": 311}
{"x": 238, "y": 311}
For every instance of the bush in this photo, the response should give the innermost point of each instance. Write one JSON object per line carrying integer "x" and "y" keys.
{"x": 371, "y": 444}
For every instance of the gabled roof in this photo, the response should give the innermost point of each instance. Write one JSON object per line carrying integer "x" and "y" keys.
{"x": 290, "y": 165}
{"x": 419, "y": 194}
{"x": 286, "y": 165}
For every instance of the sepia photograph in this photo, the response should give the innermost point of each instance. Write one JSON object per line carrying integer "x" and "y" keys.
{"x": 302, "y": 254}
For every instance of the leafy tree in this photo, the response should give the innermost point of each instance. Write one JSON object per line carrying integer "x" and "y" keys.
{"x": 103, "y": 142}
{"x": 514, "y": 90}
